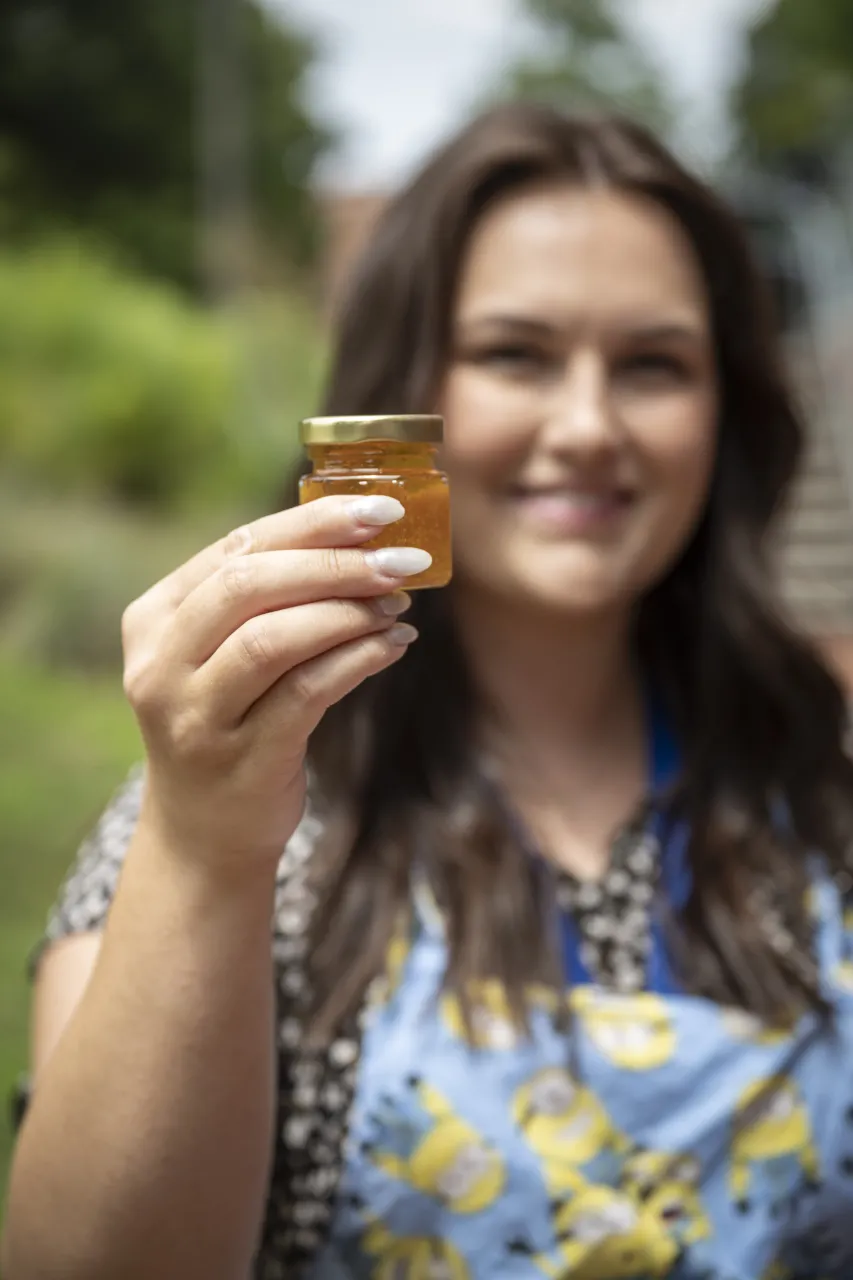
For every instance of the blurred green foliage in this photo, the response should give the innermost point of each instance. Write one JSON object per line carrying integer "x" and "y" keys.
{"x": 65, "y": 743}
{"x": 68, "y": 569}
{"x": 589, "y": 58}
{"x": 99, "y": 127}
{"x": 119, "y": 388}
{"x": 135, "y": 425}
{"x": 793, "y": 104}
{"x": 128, "y": 415}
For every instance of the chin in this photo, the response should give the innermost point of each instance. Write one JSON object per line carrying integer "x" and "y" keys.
{"x": 580, "y": 600}
{"x": 568, "y": 583}
{"x": 575, "y": 596}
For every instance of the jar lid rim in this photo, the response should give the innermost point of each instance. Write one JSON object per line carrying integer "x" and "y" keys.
{"x": 410, "y": 428}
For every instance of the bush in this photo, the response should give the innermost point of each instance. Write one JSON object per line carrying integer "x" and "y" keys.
{"x": 69, "y": 568}
{"x": 119, "y": 388}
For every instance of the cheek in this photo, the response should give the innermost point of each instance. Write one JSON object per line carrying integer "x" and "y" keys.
{"x": 681, "y": 453}
{"x": 488, "y": 427}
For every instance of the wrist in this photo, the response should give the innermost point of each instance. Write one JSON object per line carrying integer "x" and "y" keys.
{"x": 186, "y": 860}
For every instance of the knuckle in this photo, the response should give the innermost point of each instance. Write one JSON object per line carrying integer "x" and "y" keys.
{"x": 131, "y": 620}
{"x": 238, "y": 578}
{"x": 374, "y": 648}
{"x": 336, "y": 565}
{"x": 132, "y": 685}
{"x": 303, "y": 685}
{"x": 240, "y": 541}
{"x": 140, "y": 685}
{"x": 190, "y": 732}
{"x": 356, "y": 618}
{"x": 256, "y": 645}
{"x": 316, "y": 516}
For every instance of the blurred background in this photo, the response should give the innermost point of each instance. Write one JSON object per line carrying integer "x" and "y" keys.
{"x": 183, "y": 184}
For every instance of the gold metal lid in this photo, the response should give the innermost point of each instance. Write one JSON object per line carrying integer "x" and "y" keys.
{"x": 408, "y": 428}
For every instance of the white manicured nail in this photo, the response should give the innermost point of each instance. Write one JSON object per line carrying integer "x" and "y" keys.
{"x": 377, "y": 510}
{"x": 394, "y": 605}
{"x": 401, "y": 633}
{"x": 399, "y": 562}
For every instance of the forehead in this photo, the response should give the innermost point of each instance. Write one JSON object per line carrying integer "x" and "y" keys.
{"x": 582, "y": 254}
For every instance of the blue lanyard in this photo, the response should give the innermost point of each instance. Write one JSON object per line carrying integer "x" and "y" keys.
{"x": 664, "y": 764}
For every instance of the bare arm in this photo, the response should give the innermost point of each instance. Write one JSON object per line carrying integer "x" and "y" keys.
{"x": 149, "y": 1133}
{"x": 145, "y": 1152}
{"x": 63, "y": 976}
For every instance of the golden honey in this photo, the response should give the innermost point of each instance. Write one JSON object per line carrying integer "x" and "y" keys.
{"x": 393, "y": 455}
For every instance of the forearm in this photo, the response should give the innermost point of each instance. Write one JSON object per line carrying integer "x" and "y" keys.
{"x": 146, "y": 1151}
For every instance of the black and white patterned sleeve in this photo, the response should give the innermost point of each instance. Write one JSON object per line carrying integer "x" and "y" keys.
{"x": 85, "y": 898}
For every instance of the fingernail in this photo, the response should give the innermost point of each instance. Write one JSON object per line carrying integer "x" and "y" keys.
{"x": 399, "y": 562}
{"x": 401, "y": 633}
{"x": 395, "y": 604}
{"x": 377, "y": 510}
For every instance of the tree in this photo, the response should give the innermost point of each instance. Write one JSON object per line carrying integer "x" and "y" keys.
{"x": 98, "y": 126}
{"x": 793, "y": 106}
{"x": 590, "y": 59}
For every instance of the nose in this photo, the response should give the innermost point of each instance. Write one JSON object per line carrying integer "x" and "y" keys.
{"x": 580, "y": 413}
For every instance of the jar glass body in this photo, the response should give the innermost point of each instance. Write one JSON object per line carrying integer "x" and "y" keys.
{"x": 402, "y": 470}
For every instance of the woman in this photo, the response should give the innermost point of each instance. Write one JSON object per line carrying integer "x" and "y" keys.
{"x": 559, "y": 941}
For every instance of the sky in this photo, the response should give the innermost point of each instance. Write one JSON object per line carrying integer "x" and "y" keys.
{"x": 397, "y": 75}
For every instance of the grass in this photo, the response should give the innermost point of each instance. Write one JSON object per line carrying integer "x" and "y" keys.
{"x": 65, "y": 742}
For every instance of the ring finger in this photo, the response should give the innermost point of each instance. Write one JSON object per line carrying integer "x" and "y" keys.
{"x": 269, "y": 645}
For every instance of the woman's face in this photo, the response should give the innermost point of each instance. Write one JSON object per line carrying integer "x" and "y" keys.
{"x": 580, "y": 401}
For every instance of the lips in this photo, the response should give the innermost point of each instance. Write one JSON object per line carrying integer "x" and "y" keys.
{"x": 570, "y": 510}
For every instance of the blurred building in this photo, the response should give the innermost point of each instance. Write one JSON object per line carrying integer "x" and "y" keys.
{"x": 801, "y": 234}
{"x": 348, "y": 220}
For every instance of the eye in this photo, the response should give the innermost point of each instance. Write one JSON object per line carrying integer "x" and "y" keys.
{"x": 513, "y": 359}
{"x": 658, "y": 368}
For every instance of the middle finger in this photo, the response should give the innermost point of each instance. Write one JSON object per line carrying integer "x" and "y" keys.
{"x": 254, "y": 584}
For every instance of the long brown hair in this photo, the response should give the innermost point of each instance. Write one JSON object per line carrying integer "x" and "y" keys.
{"x": 760, "y": 720}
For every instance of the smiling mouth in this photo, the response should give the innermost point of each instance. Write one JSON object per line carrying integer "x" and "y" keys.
{"x": 571, "y": 511}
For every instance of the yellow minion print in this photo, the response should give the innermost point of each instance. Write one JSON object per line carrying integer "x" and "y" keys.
{"x": 412, "y": 1257}
{"x": 749, "y": 1029}
{"x": 431, "y": 1149}
{"x": 567, "y": 1128}
{"x": 776, "y": 1145}
{"x": 668, "y": 1186}
{"x": 634, "y": 1032}
{"x": 602, "y": 1235}
{"x": 492, "y": 1024}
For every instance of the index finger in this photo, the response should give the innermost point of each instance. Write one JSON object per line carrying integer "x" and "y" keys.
{"x": 341, "y": 521}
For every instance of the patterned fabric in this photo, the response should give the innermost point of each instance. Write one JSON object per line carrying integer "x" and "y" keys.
{"x": 663, "y": 1072}
{"x": 659, "y": 1137}
{"x": 613, "y": 916}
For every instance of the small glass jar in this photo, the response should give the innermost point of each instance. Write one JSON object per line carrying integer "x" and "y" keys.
{"x": 393, "y": 454}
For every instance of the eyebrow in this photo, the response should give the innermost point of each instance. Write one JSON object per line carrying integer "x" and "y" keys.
{"x": 680, "y": 330}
